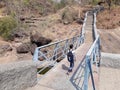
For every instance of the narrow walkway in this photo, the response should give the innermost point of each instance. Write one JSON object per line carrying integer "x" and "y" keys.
{"x": 57, "y": 79}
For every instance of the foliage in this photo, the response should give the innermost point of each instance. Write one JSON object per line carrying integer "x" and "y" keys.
{"x": 69, "y": 15}
{"x": 60, "y": 5}
{"x": 7, "y": 24}
{"x": 95, "y": 2}
{"x": 26, "y": 2}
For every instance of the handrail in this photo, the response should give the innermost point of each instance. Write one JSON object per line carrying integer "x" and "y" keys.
{"x": 48, "y": 55}
{"x": 35, "y": 56}
{"x": 93, "y": 55}
{"x": 84, "y": 24}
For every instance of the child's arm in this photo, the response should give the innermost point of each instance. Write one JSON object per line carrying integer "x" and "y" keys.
{"x": 74, "y": 55}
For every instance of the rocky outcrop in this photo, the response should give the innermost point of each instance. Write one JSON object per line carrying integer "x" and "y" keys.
{"x": 20, "y": 33}
{"x": 24, "y": 48}
{"x": 5, "y": 48}
{"x": 18, "y": 75}
{"x": 69, "y": 15}
{"x": 39, "y": 40}
{"x": 36, "y": 40}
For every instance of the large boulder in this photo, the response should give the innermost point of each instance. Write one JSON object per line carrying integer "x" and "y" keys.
{"x": 39, "y": 40}
{"x": 36, "y": 40}
{"x": 23, "y": 48}
{"x": 69, "y": 15}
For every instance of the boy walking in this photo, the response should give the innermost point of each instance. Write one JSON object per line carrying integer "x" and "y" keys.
{"x": 71, "y": 58}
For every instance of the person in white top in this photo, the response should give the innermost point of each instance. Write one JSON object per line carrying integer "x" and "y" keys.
{"x": 71, "y": 57}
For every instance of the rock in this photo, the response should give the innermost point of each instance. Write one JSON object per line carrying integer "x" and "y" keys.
{"x": 80, "y": 20}
{"x": 18, "y": 75}
{"x": 5, "y": 48}
{"x": 69, "y": 15}
{"x": 43, "y": 41}
{"x": 34, "y": 36}
{"x": 38, "y": 39}
{"x": 19, "y": 34}
{"x": 24, "y": 48}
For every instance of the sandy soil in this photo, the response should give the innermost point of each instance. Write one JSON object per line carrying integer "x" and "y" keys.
{"x": 109, "y": 19}
{"x": 110, "y": 40}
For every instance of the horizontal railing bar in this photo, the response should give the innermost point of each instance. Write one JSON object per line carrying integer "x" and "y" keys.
{"x": 55, "y": 42}
{"x": 92, "y": 47}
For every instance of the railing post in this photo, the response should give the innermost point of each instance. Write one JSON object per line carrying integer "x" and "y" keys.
{"x": 91, "y": 74}
{"x": 99, "y": 50}
{"x": 86, "y": 75}
{"x": 35, "y": 56}
{"x": 55, "y": 52}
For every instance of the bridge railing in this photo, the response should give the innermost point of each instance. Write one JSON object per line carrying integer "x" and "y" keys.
{"x": 92, "y": 57}
{"x": 48, "y": 55}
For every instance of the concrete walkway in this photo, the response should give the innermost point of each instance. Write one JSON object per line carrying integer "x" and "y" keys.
{"x": 109, "y": 79}
{"x": 110, "y": 72}
{"x": 57, "y": 79}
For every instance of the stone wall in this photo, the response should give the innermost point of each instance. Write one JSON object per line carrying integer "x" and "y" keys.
{"x": 18, "y": 75}
{"x": 110, "y": 60}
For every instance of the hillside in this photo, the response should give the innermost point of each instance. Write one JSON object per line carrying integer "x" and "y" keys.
{"x": 48, "y": 21}
{"x": 108, "y": 24}
{"x": 51, "y": 26}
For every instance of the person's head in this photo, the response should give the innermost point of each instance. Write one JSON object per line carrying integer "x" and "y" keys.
{"x": 71, "y": 46}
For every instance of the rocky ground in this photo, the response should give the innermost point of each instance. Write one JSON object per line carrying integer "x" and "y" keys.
{"x": 52, "y": 27}
{"x": 108, "y": 24}
{"x": 45, "y": 29}
{"x": 110, "y": 40}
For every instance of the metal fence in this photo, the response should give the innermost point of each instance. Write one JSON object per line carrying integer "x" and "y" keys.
{"x": 92, "y": 58}
{"x": 48, "y": 55}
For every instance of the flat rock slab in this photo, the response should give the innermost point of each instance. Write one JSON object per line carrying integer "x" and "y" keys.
{"x": 109, "y": 79}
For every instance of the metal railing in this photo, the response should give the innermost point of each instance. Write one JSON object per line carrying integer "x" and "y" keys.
{"x": 93, "y": 56}
{"x": 85, "y": 69}
{"x": 49, "y": 55}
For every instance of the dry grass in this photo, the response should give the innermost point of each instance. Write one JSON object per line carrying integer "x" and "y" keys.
{"x": 109, "y": 19}
{"x": 52, "y": 27}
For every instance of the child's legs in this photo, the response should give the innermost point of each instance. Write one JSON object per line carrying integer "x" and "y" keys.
{"x": 71, "y": 65}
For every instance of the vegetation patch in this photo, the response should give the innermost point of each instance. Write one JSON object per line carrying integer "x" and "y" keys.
{"x": 44, "y": 71}
{"x": 7, "y": 25}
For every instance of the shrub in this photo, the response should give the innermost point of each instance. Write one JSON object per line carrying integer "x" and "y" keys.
{"x": 7, "y": 24}
{"x": 26, "y": 2}
{"x": 69, "y": 15}
{"x": 94, "y": 2}
{"x": 59, "y": 5}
